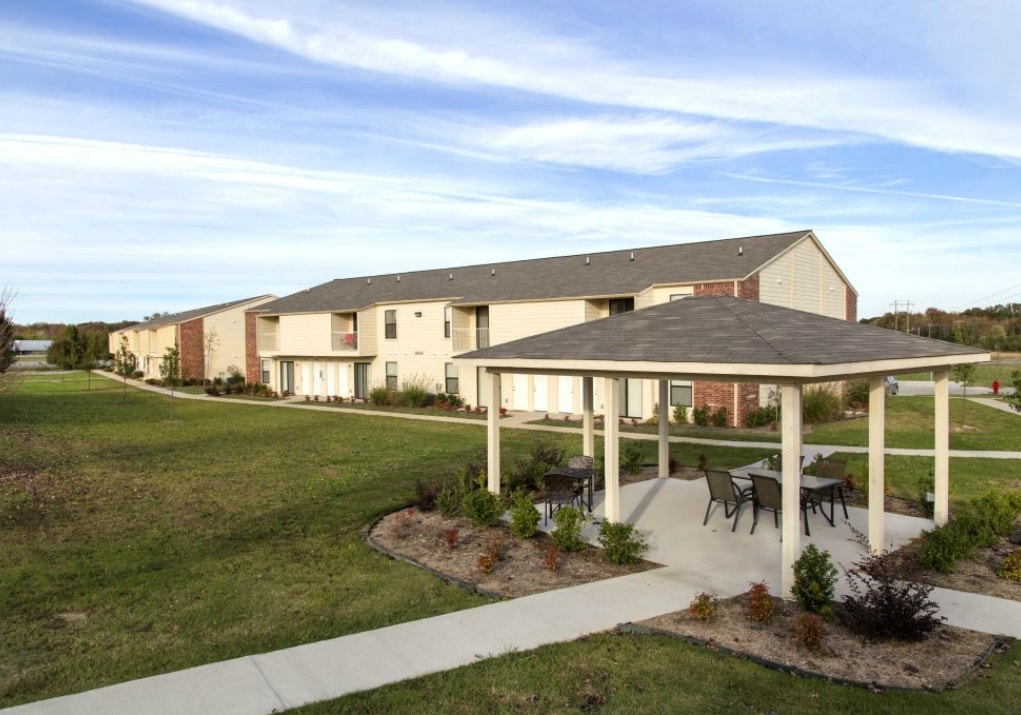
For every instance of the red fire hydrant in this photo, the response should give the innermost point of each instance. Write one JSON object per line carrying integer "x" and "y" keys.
{"x": 996, "y": 387}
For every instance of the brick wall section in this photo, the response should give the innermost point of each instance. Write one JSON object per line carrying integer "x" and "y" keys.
{"x": 852, "y": 305}
{"x": 721, "y": 288}
{"x": 190, "y": 336}
{"x": 714, "y": 395}
{"x": 749, "y": 289}
{"x": 253, "y": 373}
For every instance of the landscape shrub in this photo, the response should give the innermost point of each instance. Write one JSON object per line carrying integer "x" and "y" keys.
{"x": 703, "y": 607}
{"x": 761, "y": 416}
{"x": 524, "y": 516}
{"x": 551, "y": 559}
{"x": 482, "y": 507}
{"x": 621, "y": 542}
{"x": 681, "y": 414}
{"x": 528, "y": 470}
{"x": 380, "y": 396}
{"x": 1010, "y": 567}
{"x": 809, "y": 631}
{"x": 719, "y": 417}
{"x": 820, "y": 403}
{"x": 631, "y": 456}
{"x": 426, "y": 494}
{"x": 567, "y": 532}
{"x": 449, "y": 400}
{"x": 414, "y": 392}
{"x": 815, "y": 578}
{"x": 856, "y": 392}
{"x": 700, "y": 416}
{"x": 977, "y": 523}
{"x": 760, "y": 603}
{"x": 451, "y": 537}
{"x": 882, "y": 605}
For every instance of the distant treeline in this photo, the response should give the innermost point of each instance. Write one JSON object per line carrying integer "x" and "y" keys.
{"x": 997, "y": 327}
{"x": 52, "y": 331}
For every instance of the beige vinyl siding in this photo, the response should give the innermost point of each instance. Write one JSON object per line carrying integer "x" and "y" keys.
{"x": 645, "y": 299}
{"x": 661, "y": 294}
{"x": 369, "y": 334}
{"x": 804, "y": 279}
{"x": 510, "y": 321}
{"x": 420, "y": 349}
{"x": 594, "y": 310}
{"x": 229, "y": 326}
{"x": 305, "y": 335}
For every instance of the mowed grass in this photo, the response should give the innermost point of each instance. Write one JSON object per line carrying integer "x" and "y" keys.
{"x": 611, "y": 673}
{"x": 910, "y": 424}
{"x": 134, "y": 545}
{"x": 999, "y": 368}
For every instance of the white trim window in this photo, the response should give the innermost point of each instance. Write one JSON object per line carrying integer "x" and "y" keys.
{"x": 391, "y": 376}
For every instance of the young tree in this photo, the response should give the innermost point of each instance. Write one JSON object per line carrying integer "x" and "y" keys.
{"x": 170, "y": 371}
{"x": 212, "y": 342}
{"x": 6, "y": 331}
{"x": 67, "y": 351}
{"x": 124, "y": 363}
{"x": 963, "y": 375}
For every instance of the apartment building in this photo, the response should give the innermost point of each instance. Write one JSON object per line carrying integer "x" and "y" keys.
{"x": 211, "y": 339}
{"x": 348, "y": 335}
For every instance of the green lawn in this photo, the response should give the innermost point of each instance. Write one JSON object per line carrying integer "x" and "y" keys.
{"x": 655, "y": 674}
{"x": 985, "y": 372}
{"x": 134, "y": 545}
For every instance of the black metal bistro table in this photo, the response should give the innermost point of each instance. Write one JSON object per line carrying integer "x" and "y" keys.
{"x": 583, "y": 476}
{"x": 816, "y": 488}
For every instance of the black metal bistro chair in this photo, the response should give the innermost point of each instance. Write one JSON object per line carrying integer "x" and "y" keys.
{"x": 561, "y": 490}
{"x": 768, "y": 495}
{"x": 833, "y": 469}
{"x": 722, "y": 490}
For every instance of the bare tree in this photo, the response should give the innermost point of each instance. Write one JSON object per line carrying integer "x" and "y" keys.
{"x": 963, "y": 375}
{"x": 212, "y": 342}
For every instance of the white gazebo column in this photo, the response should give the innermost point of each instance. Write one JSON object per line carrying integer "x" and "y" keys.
{"x": 877, "y": 463}
{"x": 588, "y": 427}
{"x": 493, "y": 444}
{"x": 941, "y": 488}
{"x": 790, "y": 435}
{"x": 611, "y": 447}
{"x": 664, "y": 429}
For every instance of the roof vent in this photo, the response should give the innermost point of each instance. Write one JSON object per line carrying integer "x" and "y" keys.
{"x": 492, "y": 272}
{"x": 740, "y": 250}
{"x": 368, "y": 281}
{"x": 632, "y": 256}
{"x": 587, "y": 260}
{"x": 398, "y": 279}
{"x": 450, "y": 277}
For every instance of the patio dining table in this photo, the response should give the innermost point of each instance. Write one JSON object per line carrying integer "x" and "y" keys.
{"x": 816, "y": 488}
{"x": 583, "y": 476}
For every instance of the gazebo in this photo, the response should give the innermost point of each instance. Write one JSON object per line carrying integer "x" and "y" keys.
{"x": 726, "y": 339}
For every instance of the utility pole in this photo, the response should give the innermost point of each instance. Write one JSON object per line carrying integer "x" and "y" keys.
{"x": 907, "y": 305}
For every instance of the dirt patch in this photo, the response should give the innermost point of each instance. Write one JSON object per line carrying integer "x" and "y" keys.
{"x": 943, "y": 660}
{"x": 520, "y": 568}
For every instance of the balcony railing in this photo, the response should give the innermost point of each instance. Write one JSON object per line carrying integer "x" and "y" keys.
{"x": 345, "y": 341}
{"x": 470, "y": 339}
{"x": 268, "y": 341}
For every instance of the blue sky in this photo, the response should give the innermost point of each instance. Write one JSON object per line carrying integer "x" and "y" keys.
{"x": 162, "y": 155}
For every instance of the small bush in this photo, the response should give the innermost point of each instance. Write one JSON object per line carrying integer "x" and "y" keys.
{"x": 524, "y": 516}
{"x": 567, "y": 534}
{"x": 621, "y": 542}
{"x": 482, "y": 507}
{"x": 681, "y": 414}
{"x": 976, "y": 524}
{"x": 944, "y": 546}
{"x": 426, "y": 494}
{"x": 820, "y": 403}
{"x": 809, "y": 631}
{"x": 700, "y": 416}
{"x": 485, "y": 563}
{"x": 631, "y": 456}
{"x": 703, "y": 607}
{"x": 815, "y": 578}
{"x": 1010, "y": 567}
{"x": 448, "y": 501}
{"x": 882, "y": 606}
{"x": 528, "y": 470}
{"x": 403, "y": 524}
{"x": 761, "y": 416}
{"x": 719, "y": 418}
{"x": 551, "y": 560}
{"x": 760, "y": 603}
{"x": 381, "y": 396}
{"x": 856, "y": 392}
{"x": 451, "y": 537}
{"x": 414, "y": 392}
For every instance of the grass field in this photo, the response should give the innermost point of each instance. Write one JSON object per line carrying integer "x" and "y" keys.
{"x": 999, "y": 368}
{"x": 134, "y": 545}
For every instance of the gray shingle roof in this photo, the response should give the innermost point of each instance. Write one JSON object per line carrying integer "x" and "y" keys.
{"x": 723, "y": 330}
{"x": 613, "y": 273}
{"x": 186, "y": 315}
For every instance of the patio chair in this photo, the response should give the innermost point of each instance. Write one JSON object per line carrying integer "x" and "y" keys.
{"x": 779, "y": 463}
{"x": 722, "y": 490}
{"x": 768, "y": 495}
{"x": 581, "y": 461}
{"x": 833, "y": 469}
{"x": 561, "y": 490}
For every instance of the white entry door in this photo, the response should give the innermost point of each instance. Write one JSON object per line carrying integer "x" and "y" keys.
{"x": 318, "y": 378}
{"x": 519, "y": 390}
{"x": 565, "y": 394}
{"x": 540, "y": 393}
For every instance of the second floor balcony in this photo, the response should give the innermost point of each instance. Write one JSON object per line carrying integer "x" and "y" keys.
{"x": 268, "y": 341}
{"x": 470, "y": 339}
{"x": 345, "y": 342}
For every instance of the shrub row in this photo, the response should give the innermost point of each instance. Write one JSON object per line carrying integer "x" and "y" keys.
{"x": 976, "y": 524}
